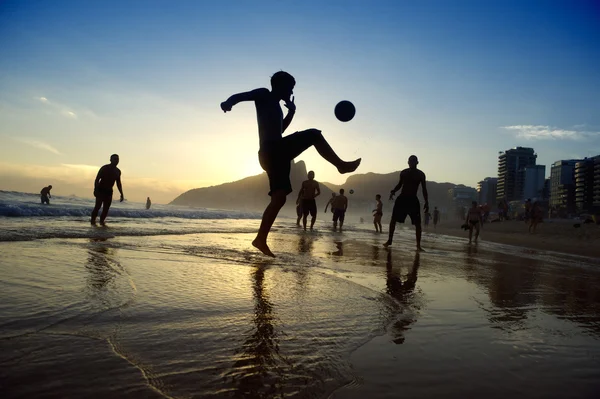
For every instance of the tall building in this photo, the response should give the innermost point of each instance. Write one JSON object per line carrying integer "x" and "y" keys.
{"x": 596, "y": 191}
{"x": 511, "y": 172}
{"x": 584, "y": 184}
{"x": 533, "y": 185}
{"x": 562, "y": 185}
{"x": 462, "y": 195}
{"x": 486, "y": 190}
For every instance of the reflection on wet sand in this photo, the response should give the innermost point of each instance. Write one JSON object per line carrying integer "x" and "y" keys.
{"x": 402, "y": 291}
{"x": 101, "y": 274}
{"x": 259, "y": 368}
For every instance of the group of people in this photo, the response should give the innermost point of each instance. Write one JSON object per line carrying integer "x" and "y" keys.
{"x": 306, "y": 204}
{"x": 277, "y": 152}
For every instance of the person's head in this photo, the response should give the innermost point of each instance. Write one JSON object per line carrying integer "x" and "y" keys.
{"x": 282, "y": 84}
{"x": 413, "y": 161}
{"x": 474, "y": 204}
{"x": 50, "y": 186}
{"x": 341, "y": 191}
{"x": 378, "y": 197}
{"x": 311, "y": 175}
{"x": 114, "y": 159}
{"x": 148, "y": 198}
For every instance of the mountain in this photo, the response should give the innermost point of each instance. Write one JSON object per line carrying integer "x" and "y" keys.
{"x": 250, "y": 193}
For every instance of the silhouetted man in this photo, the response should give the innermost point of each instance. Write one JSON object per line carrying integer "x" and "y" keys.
{"x": 276, "y": 152}
{"x": 377, "y": 214}
{"x": 407, "y": 203}
{"x": 103, "y": 188}
{"x": 309, "y": 191}
{"x": 338, "y": 207}
{"x": 436, "y": 216}
{"x": 148, "y": 203}
{"x": 45, "y": 195}
{"x": 474, "y": 220}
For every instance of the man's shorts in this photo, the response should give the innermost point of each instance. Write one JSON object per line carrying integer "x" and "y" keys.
{"x": 309, "y": 206}
{"x": 339, "y": 214}
{"x": 45, "y": 199}
{"x": 103, "y": 193}
{"x": 377, "y": 217}
{"x": 407, "y": 206}
{"x": 275, "y": 157}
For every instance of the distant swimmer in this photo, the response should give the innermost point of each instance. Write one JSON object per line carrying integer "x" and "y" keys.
{"x": 339, "y": 205}
{"x": 436, "y": 217}
{"x": 148, "y": 203}
{"x": 474, "y": 220}
{"x": 103, "y": 188}
{"x": 45, "y": 195}
{"x": 309, "y": 191}
{"x": 407, "y": 203}
{"x": 378, "y": 213}
{"x": 330, "y": 202}
{"x": 277, "y": 152}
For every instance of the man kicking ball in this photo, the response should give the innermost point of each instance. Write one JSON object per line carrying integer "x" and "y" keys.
{"x": 407, "y": 202}
{"x": 277, "y": 152}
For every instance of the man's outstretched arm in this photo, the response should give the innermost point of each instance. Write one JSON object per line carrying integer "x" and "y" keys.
{"x": 238, "y": 98}
{"x": 425, "y": 195}
{"x": 120, "y": 187}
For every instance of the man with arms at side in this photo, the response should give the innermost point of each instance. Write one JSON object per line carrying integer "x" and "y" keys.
{"x": 107, "y": 176}
{"x": 339, "y": 205}
{"x": 407, "y": 203}
{"x": 308, "y": 193}
{"x": 377, "y": 214}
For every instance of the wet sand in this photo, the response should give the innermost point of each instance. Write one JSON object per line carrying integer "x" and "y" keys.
{"x": 553, "y": 235}
{"x": 335, "y": 315}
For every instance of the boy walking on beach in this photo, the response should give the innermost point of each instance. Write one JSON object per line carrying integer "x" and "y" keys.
{"x": 103, "y": 188}
{"x": 277, "y": 152}
{"x": 378, "y": 213}
{"x": 474, "y": 220}
{"x": 407, "y": 203}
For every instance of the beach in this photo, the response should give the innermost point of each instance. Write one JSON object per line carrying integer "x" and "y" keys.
{"x": 559, "y": 235}
{"x": 183, "y": 307}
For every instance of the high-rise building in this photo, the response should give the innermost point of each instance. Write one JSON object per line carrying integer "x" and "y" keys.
{"x": 562, "y": 185}
{"x": 535, "y": 177}
{"x": 584, "y": 184}
{"x": 596, "y": 191}
{"x": 486, "y": 190}
{"x": 511, "y": 172}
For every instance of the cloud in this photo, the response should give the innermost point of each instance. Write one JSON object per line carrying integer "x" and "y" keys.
{"x": 57, "y": 107}
{"x": 38, "y": 144}
{"x": 541, "y": 132}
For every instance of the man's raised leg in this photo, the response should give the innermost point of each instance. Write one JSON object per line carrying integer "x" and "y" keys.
{"x": 96, "y": 210}
{"x": 271, "y": 212}
{"x": 300, "y": 141}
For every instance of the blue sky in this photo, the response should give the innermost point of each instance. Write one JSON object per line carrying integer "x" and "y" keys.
{"x": 453, "y": 82}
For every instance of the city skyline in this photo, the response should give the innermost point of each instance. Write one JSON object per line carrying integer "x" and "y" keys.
{"x": 453, "y": 84}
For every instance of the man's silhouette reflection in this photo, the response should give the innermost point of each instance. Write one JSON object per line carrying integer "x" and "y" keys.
{"x": 403, "y": 292}
{"x": 259, "y": 362}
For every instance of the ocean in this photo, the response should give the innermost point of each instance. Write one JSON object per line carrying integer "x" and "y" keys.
{"x": 174, "y": 302}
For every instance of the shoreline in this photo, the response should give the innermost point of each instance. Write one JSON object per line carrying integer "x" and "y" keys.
{"x": 555, "y": 236}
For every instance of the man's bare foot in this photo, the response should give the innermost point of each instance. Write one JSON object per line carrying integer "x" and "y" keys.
{"x": 262, "y": 247}
{"x": 93, "y": 222}
{"x": 102, "y": 224}
{"x": 387, "y": 244}
{"x": 348, "y": 167}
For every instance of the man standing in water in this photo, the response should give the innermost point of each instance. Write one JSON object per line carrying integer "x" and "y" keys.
{"x": 103, "y": 188}
{"x": 148, "y": 203}
{"x": 377, "y": 214}
{"x": 330, "y": 202}
{"x": 474, "y": 220}
{"x": 308, "y": 193}
{"x": 407, "y": 203}
{"x": 338, "y": 207}
{"x": 277, "y": 152}
{"x": 436, "y": 217}
{"x": 45, "y": 195}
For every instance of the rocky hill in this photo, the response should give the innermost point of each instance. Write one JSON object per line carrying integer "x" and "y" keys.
{"x": 250, "y": 193}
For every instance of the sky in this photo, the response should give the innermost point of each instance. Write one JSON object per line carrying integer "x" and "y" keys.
{"x": 453, "y": 82}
